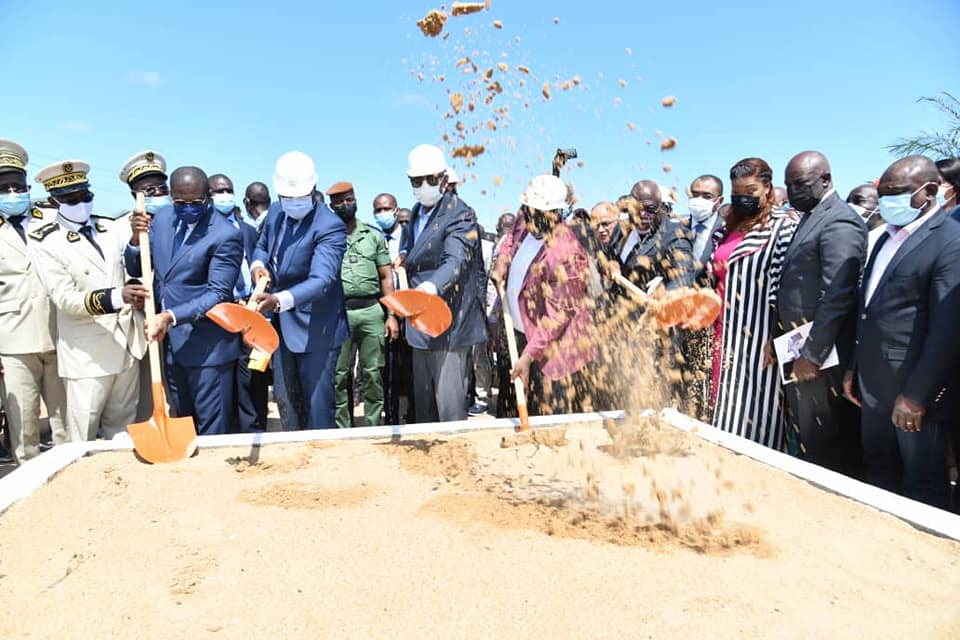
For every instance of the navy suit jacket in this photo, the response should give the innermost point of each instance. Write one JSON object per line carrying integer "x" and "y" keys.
{"x": 200, "y": 276}
{"x": 907, "y": 337}
{"x": 310, "y": 271}
{"x": 448, "y": 255}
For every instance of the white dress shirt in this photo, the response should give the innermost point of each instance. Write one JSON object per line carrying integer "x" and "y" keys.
{"x": 284, "y": 298}
{"x": 632, "y": 240}
{"x": 701, "y": 237}
{"x": 898, "y": 235}
{"x": 522, "y": 259}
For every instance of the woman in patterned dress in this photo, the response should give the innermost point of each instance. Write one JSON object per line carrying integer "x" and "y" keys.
{"x": 746, "y": 267}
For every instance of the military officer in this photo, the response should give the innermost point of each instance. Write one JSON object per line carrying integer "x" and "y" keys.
{"x": 27, "y": 328}
{"x": 367, "y": 275}
{"x": 100, "y": 338}
{"x": 146, "y": 172}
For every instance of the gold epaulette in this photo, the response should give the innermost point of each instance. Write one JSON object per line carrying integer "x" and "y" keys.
{"x": 44, "y": 231}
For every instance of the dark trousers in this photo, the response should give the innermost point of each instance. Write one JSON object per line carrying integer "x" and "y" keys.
{"x": 912, "y": 464}
{"x": 205, "y": 393}
{"x": 251, "y": 413}
{"x": 544, "y": 396}
{"x": 440, "y": 384}
{"x": 398, "y": 381}
{"x": 827, "y": 425}
{"x": 303, "y": 384}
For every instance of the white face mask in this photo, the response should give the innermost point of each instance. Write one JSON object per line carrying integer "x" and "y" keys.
{"x": 700, "y": 208}
{"x": 427, "y": 195}
{"x": 77, "y": 213}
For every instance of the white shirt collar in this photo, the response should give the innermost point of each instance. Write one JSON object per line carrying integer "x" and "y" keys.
{"x": 913, "y": 226}
{"x": 69, "y": 225}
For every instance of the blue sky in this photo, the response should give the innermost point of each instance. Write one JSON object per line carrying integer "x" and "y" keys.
{"x": 230, "y": 86}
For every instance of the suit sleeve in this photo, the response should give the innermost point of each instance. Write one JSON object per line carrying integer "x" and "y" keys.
{"x": 566, "y": 291}
{"x": 460, "y": 243}
{"x": 222, "y": 273}
{"x": 329, "y": 245}
{"x": 261, "y": 252}
{"x": 843, "y": 244}
{"x": 680, "y": 268}
{"x": 131, "y": 261}
{"x": 938, "y": 360}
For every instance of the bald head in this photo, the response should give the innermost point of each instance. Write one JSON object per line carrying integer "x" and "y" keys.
{"x": 505, "y": 223}
{"x": 189, "y": 183}
{"x": 808, "y": 180}
{"x": 603, "y": 220}
{"x": 914, "y": 174}
{"x": 645, "y": 205}
{"x": 220, "y": 183}
{"x": 780, "y": 197}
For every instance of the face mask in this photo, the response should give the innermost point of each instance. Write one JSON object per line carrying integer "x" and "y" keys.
{"x": 77, "y": 213}
{"x": 190, "y": 213}
{"x": 14, "y": 204}
{"x": 942, "y": 195}
{"x": 540, "y": 223}
{"x": 386, "y": 219}
{"x": 224, "y": 202}
{"x": 861, "y": 211}
{"x": 745, "y": 206}
{"x": 155, "y": 203}
{"x": 427, "y": 195}
{"x": 297, "y": 208}
{"x": 805, "y": 198}
{"x": 700, "y": 208}
{"x": 347, "y": 212}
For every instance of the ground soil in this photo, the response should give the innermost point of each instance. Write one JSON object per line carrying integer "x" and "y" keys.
{"x": 629, "y": 531}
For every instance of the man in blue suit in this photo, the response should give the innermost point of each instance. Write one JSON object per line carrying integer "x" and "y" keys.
{"x": 300, "y": 250}
{"x": 196, "y": 262}
{"x": 250, "y": 413}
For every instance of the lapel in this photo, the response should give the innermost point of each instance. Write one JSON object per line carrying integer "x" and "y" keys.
{"x": 711, "y": 241}
{"x": 302, "y": 228}
{"x": 911, "y": 243}
{"x": 81, "y": 245}
{"x": 419, "y": 242}
{"x": 199, "y": 232}
{"x": 868, "y": 269}
{"x": 810, "y": 222}
{"x": 10, "y": 237}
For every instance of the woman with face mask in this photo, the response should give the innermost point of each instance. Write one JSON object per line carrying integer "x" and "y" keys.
{"x": 545, "y": 270}
{"x": 948, "y": 196}
{"x": 745, "y": 270}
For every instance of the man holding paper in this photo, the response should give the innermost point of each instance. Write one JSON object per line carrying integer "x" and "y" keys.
{"x": 819, "y": 285}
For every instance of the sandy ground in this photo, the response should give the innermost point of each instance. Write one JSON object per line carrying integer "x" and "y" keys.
{"x": 650, "y": 534}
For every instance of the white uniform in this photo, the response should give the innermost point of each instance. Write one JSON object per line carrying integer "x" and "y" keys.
{"x": 28, "y": 341}
{"x": 100, "y": 340}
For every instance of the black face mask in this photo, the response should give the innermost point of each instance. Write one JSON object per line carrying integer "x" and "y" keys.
{"x": 745, "y": 206}
{"x": 347, "y": 212}
{"x": 805, "y": 198}
{"x": 541, "y": 222}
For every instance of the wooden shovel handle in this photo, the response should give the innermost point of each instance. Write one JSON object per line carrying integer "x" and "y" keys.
{"x": 402, "y": 278}
{"x": 150, "y": 311}
{"x": 633, "y": 289}
{"x": 514, "y": 356}
{"x": 260, "y": 287}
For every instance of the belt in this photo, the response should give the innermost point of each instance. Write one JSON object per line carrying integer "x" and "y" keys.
{"x": 361, "y": 302}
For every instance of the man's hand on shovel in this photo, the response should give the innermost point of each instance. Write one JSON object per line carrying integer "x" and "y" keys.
{"x": 135, "y": 295}
{"x": 139, "y": 223}
{"x": 156, "y": 329}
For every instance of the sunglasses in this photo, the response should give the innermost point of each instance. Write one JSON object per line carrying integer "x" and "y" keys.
{"x": 156, "y": 190}
{"x": 199, "y": 203}
{"x": 434, "y": 180}
{"x": 75, "y": 198}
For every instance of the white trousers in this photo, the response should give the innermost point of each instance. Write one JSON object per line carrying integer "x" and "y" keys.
{"x": 27, "y": 377}
{"x": 109, "y": 402}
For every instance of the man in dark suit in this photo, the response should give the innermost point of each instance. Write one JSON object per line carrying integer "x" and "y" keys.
{"x": 819, "y": 284}
{"x": 906, "y": 348}
{"x": 250, "y": 413}
{"x": 300, "y": 249}
{"x": 440, "y": 250}
{"x": 196, "y": 262}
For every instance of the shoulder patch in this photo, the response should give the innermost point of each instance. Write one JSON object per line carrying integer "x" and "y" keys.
{"x": 45, "y": 231}
{"x": 73, "y": 236}
{"x": 101, "y": 228}
{"x": 1, "y": 221}
{"x": 36, "y": 213}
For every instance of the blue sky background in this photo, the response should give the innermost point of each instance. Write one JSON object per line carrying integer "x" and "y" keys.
{"x": 230, "y": 86}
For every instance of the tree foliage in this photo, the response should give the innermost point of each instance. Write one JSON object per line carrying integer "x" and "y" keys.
{"x": 935, "y": 144}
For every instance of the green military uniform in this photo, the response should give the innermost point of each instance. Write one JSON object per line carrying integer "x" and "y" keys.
{"x": 366, "y": 252}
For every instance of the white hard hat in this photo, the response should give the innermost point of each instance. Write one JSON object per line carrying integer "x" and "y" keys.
{"x": 294, "y": 176}
{"x": 426, "y": 160}
{"x": 452, "y": 177}
{"x": 545, "y": 193}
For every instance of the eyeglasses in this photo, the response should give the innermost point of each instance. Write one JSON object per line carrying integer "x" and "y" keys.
{"x": 155, "y": 190}
{"x": 75, "y": 198}
{"x": 199, "y": 202}
{"x": 434, "y": 180}
{"x": 15, "y": 188}
{"x": 402, "y": 222}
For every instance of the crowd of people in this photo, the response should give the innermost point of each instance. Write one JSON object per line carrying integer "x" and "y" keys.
{"x": 864, "y": 290}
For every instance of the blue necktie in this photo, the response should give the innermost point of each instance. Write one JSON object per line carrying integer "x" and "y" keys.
{"x": 285, "y": 242}
{"x": 178, "y": 239}
{"x": 699, "y": 228}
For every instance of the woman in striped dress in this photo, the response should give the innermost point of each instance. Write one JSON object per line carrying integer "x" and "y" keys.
{"x": 746, "y": 269}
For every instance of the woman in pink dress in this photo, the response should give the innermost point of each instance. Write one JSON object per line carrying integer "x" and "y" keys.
{"x": 746, "y": 269}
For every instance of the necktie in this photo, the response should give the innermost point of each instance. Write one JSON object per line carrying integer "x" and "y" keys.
{"x": 700, "y": 228}
{"x": 285, "y": 242}
{"x": 178, "y": 239}
{"x": 242, "y": 288}
{"x": 17, "y": 222}
{"x": 87, "y": 232}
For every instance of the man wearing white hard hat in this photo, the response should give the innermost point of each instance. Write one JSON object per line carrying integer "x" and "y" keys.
{"x": 545, "y": 270}
{"x": 100, "y": 338}
{"x": 440, "y": 250}
{"x": 300, "y": 250}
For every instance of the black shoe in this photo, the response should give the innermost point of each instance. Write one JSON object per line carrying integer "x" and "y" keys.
{"x": 45, "y": 446}
{"x": 6, "y": 457}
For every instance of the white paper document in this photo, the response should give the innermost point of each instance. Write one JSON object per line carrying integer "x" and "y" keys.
{"x": 788, "y": 346}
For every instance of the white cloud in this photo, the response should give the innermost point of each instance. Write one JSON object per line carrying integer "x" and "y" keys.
{"x": 76, "y": 125}
{"x": 144, "y": 77}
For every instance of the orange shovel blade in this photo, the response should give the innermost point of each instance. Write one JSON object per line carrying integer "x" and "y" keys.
{"x": 255, "y": 329}
{"x": 426, "y": 312}
{"x": 407, "y": 302}
{"x": 163, "y": 438}
{"x": 690, "y": 308}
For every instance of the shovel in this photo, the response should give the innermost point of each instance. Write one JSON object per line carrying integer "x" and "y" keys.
{"x": 255, "y": 329}
{"x": 426, "y": 312}
{"x": 514, "y": 356}
{"x": 161, "y": 438}
{"x": 690, "y": 308}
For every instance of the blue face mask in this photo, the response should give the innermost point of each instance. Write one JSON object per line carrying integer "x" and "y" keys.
{"x": 386, "y": 220}
{"x": 190, "y": 213}
{"x": 14, "y": 204}
{"x": 297, "y": 208}
{"x": 897, "y": 211}
{"x": 224, "y": 202}
{"x": 155, "y": 203}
